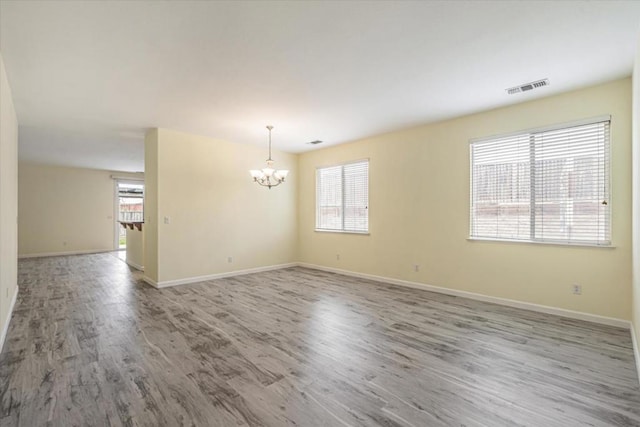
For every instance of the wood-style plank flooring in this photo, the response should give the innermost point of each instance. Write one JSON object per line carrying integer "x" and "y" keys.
{"x": 90, "y": 344}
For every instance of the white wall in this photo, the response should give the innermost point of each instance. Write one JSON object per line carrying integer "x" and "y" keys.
{"x": 8, "y": 202}
{"x": 636, "y": 205}
{"x": 65, "y": 210}
{"x": 419, "y": 211}
{"x": 215, "y": 210}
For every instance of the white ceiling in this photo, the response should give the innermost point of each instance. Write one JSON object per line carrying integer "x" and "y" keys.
{"x": 88, "y": 78}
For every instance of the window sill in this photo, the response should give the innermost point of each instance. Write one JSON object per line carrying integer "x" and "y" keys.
{"x": 361, "y": 233}
{"x": 535, "y": 242}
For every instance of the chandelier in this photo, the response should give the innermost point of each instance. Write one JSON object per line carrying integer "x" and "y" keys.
{"x": 269, "y": 177}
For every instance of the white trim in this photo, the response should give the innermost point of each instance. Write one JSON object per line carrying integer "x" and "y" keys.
{"x": 116, "y": 223}
{"x": 611, "y": 321}
{"x": 133, "y": 179}
{"x": 150, "y": 281}
{"x": 588, "y": 317}
{"x": 322, "y": 230}
{"x": 541, "y": 242}
{"x": 196, "y": 279}
{"x": 134, "y": 265}
{"x": 636, "y": 348}
{"x": 47, "y": 254}
{"x": 3, "y": 335}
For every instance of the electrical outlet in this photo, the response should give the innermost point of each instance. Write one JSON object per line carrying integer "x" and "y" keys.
{"x": 576, "y": 289}
{"x": 338, "y": 257}
{"x": 230, "y": 259}
{"x": 167, "y": 220}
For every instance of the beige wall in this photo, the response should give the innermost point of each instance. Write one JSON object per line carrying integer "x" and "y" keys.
{"x": 150, "y": 242}
{"x": 8, "y": 201}
{"x": 214, "y": 209}
{"x": 135, "y": 248}
{"x": 419, "y": 204}
{"x": 636, "y": 203}
{"x": 64, "y": 209}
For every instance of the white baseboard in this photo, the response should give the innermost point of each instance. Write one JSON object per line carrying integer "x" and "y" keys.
{"x": 150, "y": 281}
{"x": 196, "y": 279}
{"x": 48, "y": 254}
{"x": 611, "y": 321}
{"x": 134, "y": 265}
{"x": 636, "y": 349}
{"x": 5, "y": 329}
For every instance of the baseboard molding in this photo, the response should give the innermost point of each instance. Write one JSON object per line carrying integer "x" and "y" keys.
{"x": 611, "y": 321}
{"x": 636, "y": 349}
{"x": 48, "y": 254}
{"x": 196, "y": 279}
{"x": 150, "y": 281}
{"x": 5, "y": 329}
{"x": 134, "y": 265}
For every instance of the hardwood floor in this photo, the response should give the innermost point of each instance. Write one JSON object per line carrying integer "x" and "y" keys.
{"x": 90, "y": 344}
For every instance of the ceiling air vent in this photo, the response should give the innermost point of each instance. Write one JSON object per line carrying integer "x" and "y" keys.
{"x": 528, "y": 86}
{"x": 316, "y": 142}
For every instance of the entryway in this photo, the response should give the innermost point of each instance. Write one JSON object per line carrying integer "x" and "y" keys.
{"x": 129, "y": 206}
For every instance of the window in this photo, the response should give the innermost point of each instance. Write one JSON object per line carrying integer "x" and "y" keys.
{"x": 130, "y": 207}
{"x": 549, "y": 185}
{"x": 342, "y": 198}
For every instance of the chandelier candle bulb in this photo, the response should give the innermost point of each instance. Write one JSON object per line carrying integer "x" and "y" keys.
{"x": 269, "y": 177}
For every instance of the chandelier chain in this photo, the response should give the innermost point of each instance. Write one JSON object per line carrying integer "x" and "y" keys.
{"x": 270, "y": 127}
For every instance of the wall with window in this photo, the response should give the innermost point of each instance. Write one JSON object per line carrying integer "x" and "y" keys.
{"x": 205, "y": 216}
{"x": 65, "y": 210}
{"x": 419, "y": 211}
{"x": 8, "y": 202}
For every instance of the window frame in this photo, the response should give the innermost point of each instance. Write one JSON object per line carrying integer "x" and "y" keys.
{"x": 541, "y": 240}
{"x": 317, "y": 196}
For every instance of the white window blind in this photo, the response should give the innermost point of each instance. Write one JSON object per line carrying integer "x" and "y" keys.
{"x": 543, "y": 186}
{"x": 342, "y": 197}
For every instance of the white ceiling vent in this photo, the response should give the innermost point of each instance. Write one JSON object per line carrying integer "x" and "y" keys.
{"x": 528, "y": 86}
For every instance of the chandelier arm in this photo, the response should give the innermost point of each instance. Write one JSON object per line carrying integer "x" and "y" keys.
{"x": 266, "y": 182}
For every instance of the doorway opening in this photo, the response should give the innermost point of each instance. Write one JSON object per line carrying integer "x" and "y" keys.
{"x": 130, "y": 208}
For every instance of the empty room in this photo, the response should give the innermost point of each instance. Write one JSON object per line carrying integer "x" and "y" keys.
{"x": 320, "y": 213}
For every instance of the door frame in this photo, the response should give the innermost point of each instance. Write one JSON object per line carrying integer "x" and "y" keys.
{"x": 116, "y": 207}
